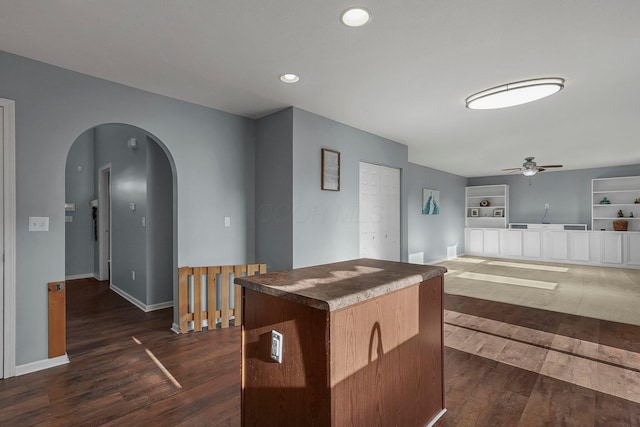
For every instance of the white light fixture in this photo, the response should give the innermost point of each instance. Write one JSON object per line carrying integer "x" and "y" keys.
{"x": 529, "y": 172}
{"x": 515, "y": 93}
{"x": 355, "y": 17}
{"x": 289, "y": 78}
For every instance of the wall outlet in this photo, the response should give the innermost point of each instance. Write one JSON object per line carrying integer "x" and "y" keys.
{"x": 38, "y": 223}
{"x": 133, "y": 275}
{"x": 276, "y": 346}
{"x": 546, "y": 205}
{"x": 227, "y": 221}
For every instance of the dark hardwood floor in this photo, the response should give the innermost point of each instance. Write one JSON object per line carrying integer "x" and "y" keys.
{"x": 113, "y": 380}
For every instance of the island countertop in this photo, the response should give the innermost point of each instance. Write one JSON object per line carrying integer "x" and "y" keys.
{"x": 334, "y": 286}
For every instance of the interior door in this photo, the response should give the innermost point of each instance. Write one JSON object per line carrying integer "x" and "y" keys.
{"x": 379, "y": 212}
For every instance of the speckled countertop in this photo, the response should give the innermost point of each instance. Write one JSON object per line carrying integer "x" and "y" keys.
{"x": 333, "y": 286}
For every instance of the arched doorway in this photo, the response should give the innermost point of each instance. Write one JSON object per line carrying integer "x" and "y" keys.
{"x": 120, "y": 213}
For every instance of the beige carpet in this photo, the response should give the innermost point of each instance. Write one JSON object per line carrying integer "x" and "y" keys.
{"x": 599, "y": 292}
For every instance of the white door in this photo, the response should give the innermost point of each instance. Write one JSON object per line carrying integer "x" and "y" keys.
{"x": 379, "y": 212}
{"x": 8, "y": 238}
{"x": 369, "y": 180}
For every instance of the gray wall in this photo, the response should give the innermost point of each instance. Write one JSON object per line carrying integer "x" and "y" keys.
{"x": 128, "y": 185}
{"x": 568, "y": 193}
{"x": 432, "y": 234}
{"x": 326, "y": 223}
{"x": 79, "y": 189}
{"x": 159, "y": 226}
{"x": 212, "y": 151}
{"x": 274, "y": 188}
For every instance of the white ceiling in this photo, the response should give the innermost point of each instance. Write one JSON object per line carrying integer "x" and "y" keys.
{"x": 404, "y": 76}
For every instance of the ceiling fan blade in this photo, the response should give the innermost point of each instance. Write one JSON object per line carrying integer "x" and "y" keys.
{"x": 541, "y": 169}
{"x": 550, "y": 166}
{"x": 512, "y": 169}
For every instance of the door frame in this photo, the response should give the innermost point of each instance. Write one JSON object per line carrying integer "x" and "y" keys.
{"x": 104, "y": 223}
{"x": 8, "y": 282}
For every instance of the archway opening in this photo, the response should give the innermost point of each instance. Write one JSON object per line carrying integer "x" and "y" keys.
{"x": 120, "y": 217}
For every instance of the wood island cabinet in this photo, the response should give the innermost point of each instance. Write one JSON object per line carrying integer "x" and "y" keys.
{"x": 362, "y": 345}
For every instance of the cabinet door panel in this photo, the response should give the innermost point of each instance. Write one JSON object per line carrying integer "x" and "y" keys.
{"x": 633, "y": 248}
{"x": 512, "y": 243}
{"x": 476, "y": 239}
{"x": 579, "y": 246}
{"x": 611, "y": 247}
{"x": 491, "y": 242}
{"x": 531, "y": 244}
{"x": 558, "y": 244}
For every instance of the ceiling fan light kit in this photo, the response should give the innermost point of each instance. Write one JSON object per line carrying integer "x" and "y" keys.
{"x": 516, "y": 93}
{"x": 530, "y": 168}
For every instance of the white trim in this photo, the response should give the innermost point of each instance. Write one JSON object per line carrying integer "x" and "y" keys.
{"x": 159, "y": 306}
{"x": 176, "y": 328}
{"x": 104, "y": 196}
{"x": 142, "y": 306}
{"x": 436, "y": 418}
{"x": 81, "y": 276}
{"x": 42, "y": 364}
{"x": 9, "y": 194}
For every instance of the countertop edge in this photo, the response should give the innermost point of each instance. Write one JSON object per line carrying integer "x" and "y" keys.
{"x": 346, "y": 300}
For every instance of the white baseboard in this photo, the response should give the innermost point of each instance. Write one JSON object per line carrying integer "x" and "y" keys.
{"x": 142, "y": 306}
{"x": 41, "y": 364}
{"x": 176, "y": 328}
{"x": 80, "y": 276}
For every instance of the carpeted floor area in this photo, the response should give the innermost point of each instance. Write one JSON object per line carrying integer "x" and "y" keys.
{"x": 597, "y": 292}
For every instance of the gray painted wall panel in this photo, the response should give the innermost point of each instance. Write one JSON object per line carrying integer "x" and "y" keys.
{"x": 326, "y": 223}
{"x": 212, "y": 151}
{"x": 128, "y": 185}
{"x": 432, "y": 234}
{"x": 159, "y": 226}
{"x": 79, "y": 189}
{"x": 274, "y": 186}
{"x": 567, "y": 192}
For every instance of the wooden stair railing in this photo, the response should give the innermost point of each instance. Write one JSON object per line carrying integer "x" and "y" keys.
{"x": 218, "y": 281}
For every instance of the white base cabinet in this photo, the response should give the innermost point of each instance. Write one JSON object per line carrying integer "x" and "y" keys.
{"x": 608, "y": 248}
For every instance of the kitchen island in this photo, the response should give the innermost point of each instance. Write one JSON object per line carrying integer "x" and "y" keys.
{"x": 362, "y": 344}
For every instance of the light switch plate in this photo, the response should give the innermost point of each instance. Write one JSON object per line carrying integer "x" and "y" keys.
{"x": 38, "y": 223}
{"x": 276, "y": 346}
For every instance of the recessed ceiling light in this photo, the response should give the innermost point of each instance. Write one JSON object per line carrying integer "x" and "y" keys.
{"x": 289, "y": 78}
{"x": 355, "y": 17}
{"x": 516, "y": 93}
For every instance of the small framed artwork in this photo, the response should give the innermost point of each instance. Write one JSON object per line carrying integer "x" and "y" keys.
{"x": 474, "y": 212}
{"x": 430, "y": 202}
{"x": 498, "y": 212}
{"x": 330, "y": 170}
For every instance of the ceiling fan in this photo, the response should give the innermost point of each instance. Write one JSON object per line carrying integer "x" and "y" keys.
{"x": 530, "y": 168}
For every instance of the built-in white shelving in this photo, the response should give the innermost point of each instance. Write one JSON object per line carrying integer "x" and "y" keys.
{"x": 621, "y": 192}
{"x": 487, "y": 206}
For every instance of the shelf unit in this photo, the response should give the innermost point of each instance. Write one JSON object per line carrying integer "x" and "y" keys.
{"x": 621, "y": 192}
{"x": 498, "y": 198}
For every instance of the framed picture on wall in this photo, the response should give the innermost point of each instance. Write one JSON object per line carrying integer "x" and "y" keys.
{"x": 430, "y": 202}
{"x": 330, "y": 180}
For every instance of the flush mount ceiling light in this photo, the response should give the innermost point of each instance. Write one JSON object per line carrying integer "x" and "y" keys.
{"x": 515, "y": 93}
{"x": 355, "y": 17}
{"x": 289, "y": 78}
